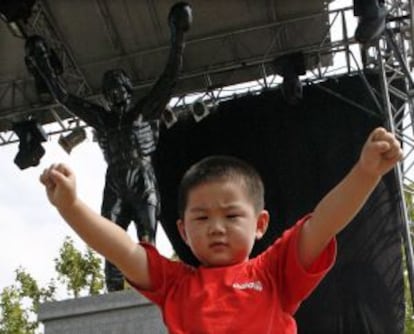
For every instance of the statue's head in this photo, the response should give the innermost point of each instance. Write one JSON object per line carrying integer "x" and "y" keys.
{"x": 117, "y": 88}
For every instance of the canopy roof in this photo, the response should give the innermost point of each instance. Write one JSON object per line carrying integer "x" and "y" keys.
{"x": 230, "y": 42}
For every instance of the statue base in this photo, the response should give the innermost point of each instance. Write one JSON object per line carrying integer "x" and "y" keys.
{"x": 124, "y": 312}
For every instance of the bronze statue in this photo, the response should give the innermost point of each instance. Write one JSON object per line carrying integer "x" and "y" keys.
{"x": 126, "y": 133}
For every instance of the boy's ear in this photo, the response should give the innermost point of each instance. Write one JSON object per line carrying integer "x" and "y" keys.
{"x": 181, "y": 229}
{"x": 262, "y": 224}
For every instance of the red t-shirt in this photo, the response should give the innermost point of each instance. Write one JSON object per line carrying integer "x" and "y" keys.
{"x": 257, "y": 296}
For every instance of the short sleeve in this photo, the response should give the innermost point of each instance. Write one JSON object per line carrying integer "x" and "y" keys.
{"x": 163, "y": 274}
{"x": 293, "y": 281}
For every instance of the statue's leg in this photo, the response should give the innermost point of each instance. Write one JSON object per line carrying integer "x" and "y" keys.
{"x": 114, "y": 279}
{"x": 146, "y": 222}
{"x": 112, "y": 208}
{"x": 146, "y": 204}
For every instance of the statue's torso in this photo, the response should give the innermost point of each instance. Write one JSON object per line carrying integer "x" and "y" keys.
{"x": 128, "y": 144}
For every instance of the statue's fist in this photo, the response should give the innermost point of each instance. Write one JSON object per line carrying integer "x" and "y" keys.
{"x": 38, "y": 54}
{"x": 180, "y": 16}
{"x": 36, "y": 46}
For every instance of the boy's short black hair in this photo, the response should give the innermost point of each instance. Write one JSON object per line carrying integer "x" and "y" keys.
{"x": 221, "y": 167}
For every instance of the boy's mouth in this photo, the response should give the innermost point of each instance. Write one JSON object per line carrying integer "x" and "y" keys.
{"x": 218, "y": 244}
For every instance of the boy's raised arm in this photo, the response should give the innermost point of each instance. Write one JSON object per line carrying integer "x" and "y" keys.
{"x": 106, "y": 238}
{"x": 379, "y": 155}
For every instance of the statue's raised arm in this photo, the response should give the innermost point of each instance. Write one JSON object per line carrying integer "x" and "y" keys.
{"x": 42, "y": 62}
{"x": 152, "y": 105}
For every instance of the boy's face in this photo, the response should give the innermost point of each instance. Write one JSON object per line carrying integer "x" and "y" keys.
{"x": 220, "y": 223}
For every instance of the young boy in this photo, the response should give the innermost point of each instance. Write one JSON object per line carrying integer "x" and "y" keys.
{"x": 222, "y": 213}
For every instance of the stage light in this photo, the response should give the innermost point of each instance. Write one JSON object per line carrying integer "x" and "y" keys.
{"x": 199, "y": 110}
{"x": 169, "y": 117}
{"x": 31, "y": 135}
{"x": 73, "y": 139}
{"x": 290, "y": 67}
{"x": 14, "y": 10}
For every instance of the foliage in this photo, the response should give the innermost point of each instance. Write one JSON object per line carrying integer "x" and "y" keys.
{"x": 409, "y": 311}
{"x": 20, "y": 302}
{"x": 409, "y": 316}
{"x": 79, "y": 272}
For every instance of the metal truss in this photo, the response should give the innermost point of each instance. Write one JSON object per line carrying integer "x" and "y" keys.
{"x": 334, "y": 55}
{"x": 342, "y": 48}
{"x": 392, "y": 60}
{"x": 40, "y": 23}
{"x": 394, "y": 55}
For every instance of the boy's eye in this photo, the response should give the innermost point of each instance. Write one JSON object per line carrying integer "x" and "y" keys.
{"x": 233, "y": 216}
{"x": 201, "y": 218}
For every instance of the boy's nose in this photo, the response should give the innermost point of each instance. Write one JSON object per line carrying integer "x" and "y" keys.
{"x": 216, "y": 226}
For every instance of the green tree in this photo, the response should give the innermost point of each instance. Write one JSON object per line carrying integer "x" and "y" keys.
{"x": 80, "y": 272}
{"x": 19, "y": 304}
{"x": 409, "y": 311}
{"x": 409, "y": 316}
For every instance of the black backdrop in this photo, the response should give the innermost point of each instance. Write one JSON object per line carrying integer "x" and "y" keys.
{"x": 301, "y": 152}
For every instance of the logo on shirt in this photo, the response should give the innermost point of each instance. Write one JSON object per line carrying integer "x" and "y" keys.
{"x": 255, "y": 285}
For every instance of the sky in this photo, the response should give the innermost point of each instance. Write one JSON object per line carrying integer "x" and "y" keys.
{"x": 31, "y": 230}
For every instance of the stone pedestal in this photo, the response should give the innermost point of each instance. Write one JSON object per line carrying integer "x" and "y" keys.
{"x": 124, "y": 312}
